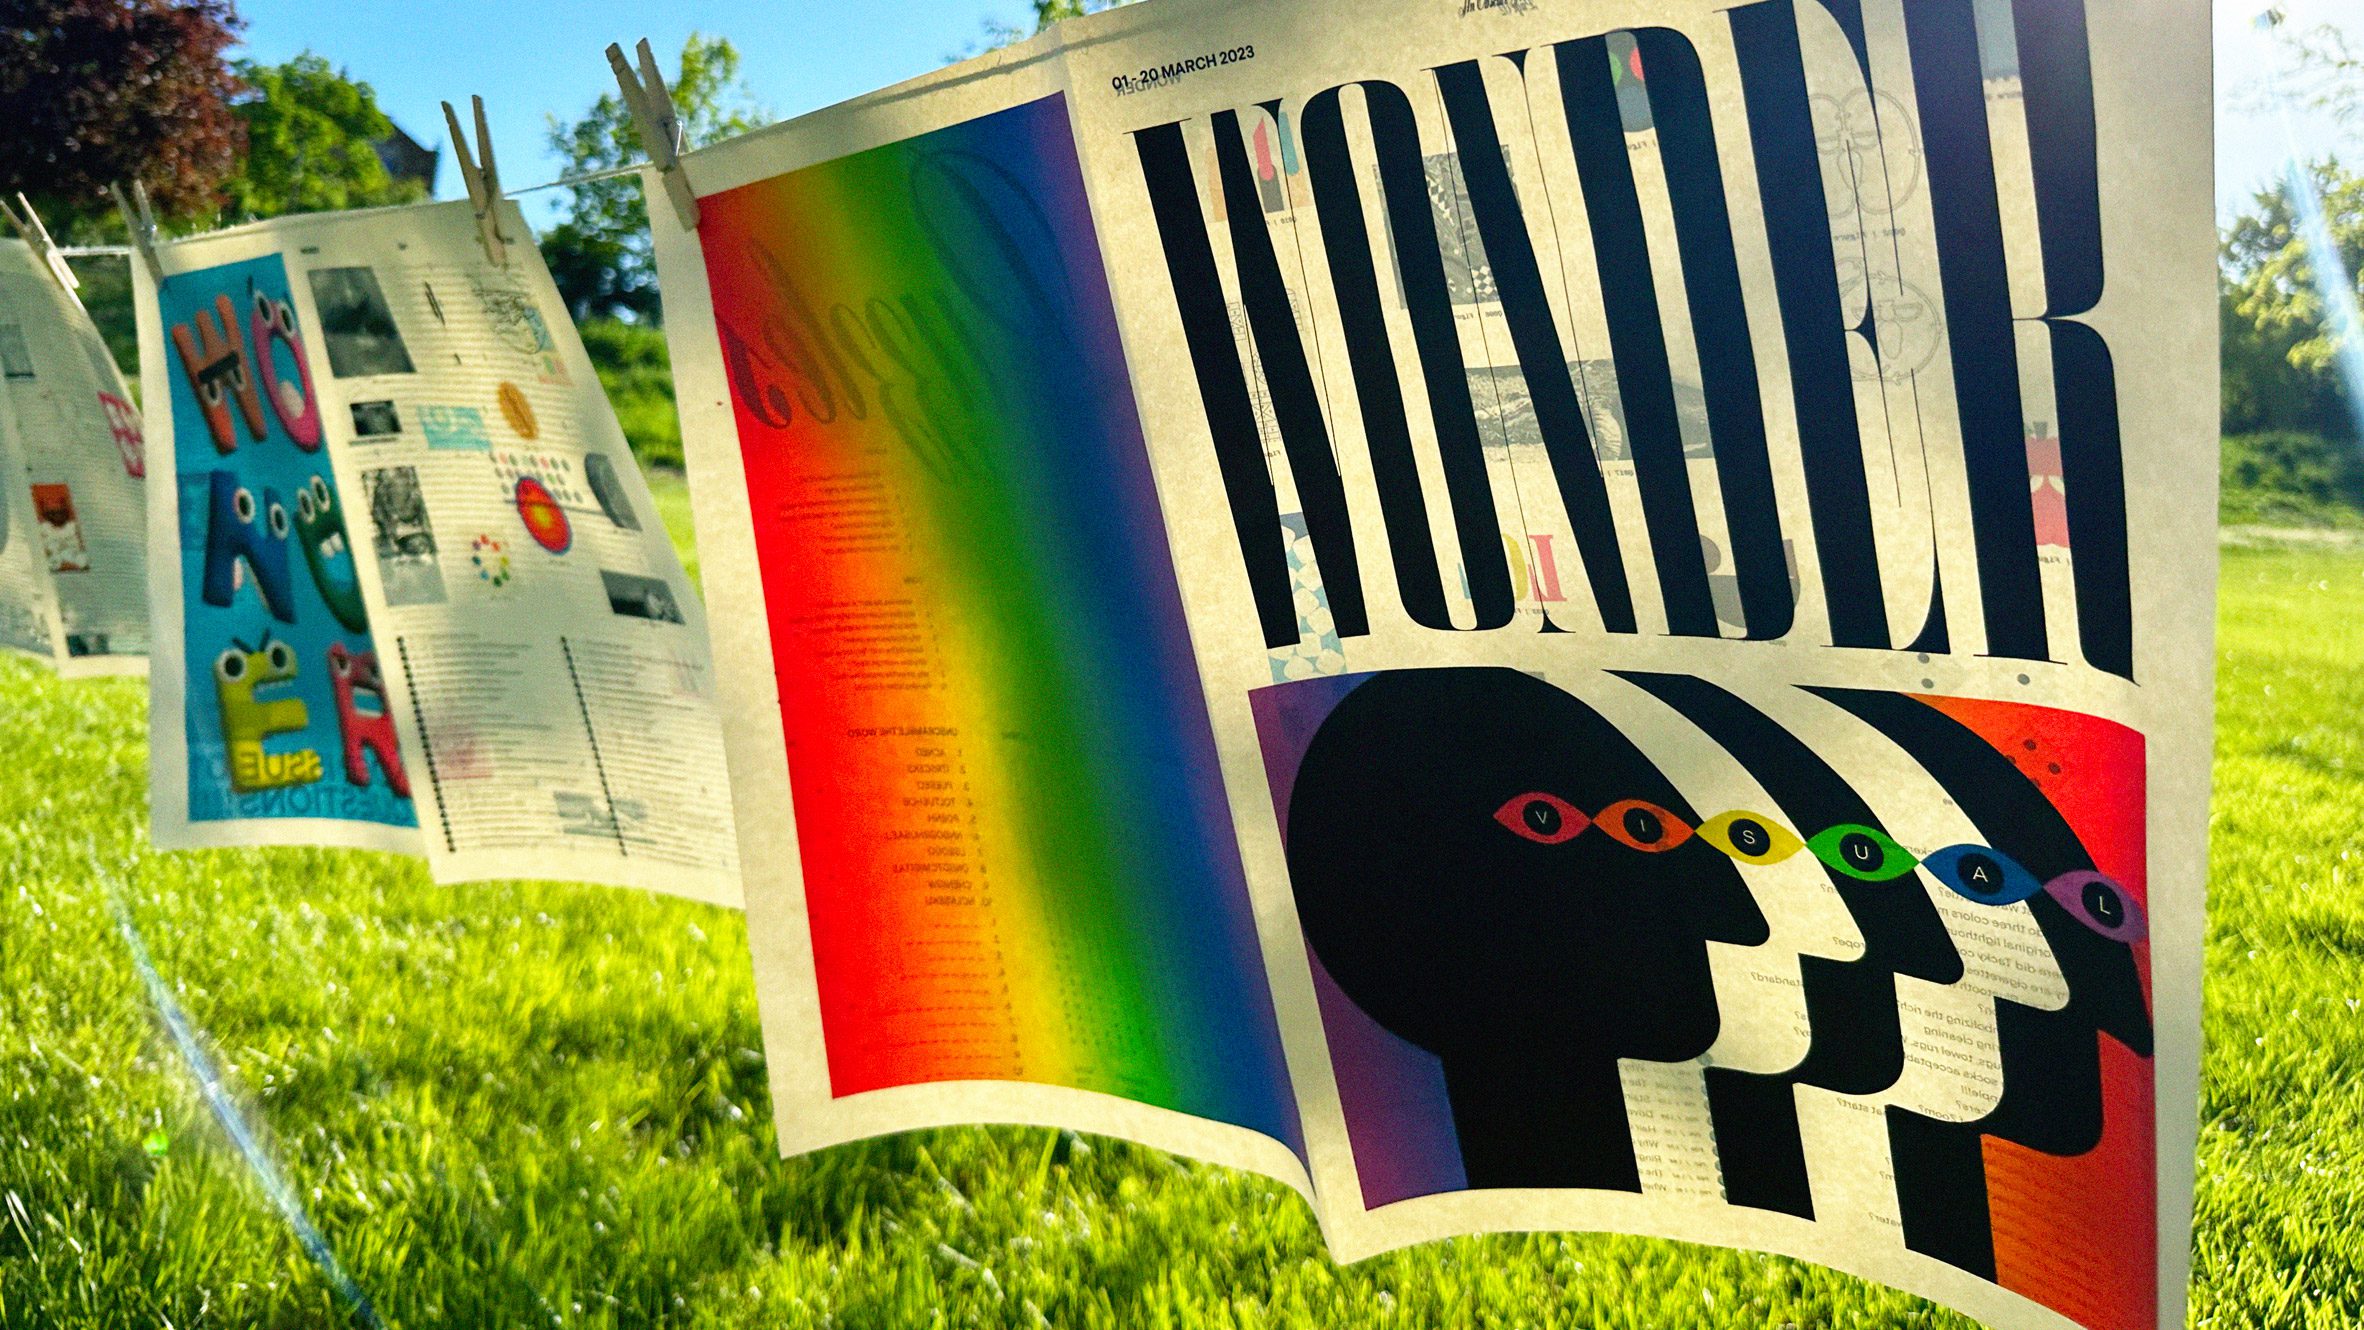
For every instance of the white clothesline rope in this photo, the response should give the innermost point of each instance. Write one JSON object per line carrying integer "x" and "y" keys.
{"x": 563, "y": 182}
{"x": 584, "y": 179}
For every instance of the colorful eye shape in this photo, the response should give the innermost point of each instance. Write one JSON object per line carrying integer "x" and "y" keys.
{"x": 1976, "y": 873}
{"x": 2099, "y": 903}
{"x": 1752, "y": 838}
{"x": 277, "y": 518}
{"x": 1545, "y": 819}
{"x": 230, "y": 666}
{"x": 1863, "y": 853}
{"x": 1638, "y": 824}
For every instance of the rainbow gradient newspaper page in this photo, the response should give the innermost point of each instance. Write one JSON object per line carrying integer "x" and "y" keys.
{"x": 1524, "y": 616}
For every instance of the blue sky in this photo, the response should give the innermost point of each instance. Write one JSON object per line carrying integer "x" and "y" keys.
{"x": 532, "y": 60}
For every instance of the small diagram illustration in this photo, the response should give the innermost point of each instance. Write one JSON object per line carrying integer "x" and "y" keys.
{"x": 1319, "y": 649}
{"x": 458, "y": 428}
{"x": 1723, "y": 583}
{"x": 2047, "y": 489}
{"x": 608, "y": 488}
{"x": 1867, "y": 174}
{"x": 1907, "y": 323}
{"x": 519, "y": 325}
{"x": 375, "y": 420}
{"x": 357, "y": 324}
{"x": 1469, "y": 274}
{"x": 400, "y": 536}
{"x": 362, "y": 718}
{"x": 16, "y": 359}
{"x": 1274, "y": 163}
{"x": 61, "y": 530}
{"x": 243, "y": 537}
{"x": 1633, "y": 91}
{"x": 510, "y": 310}
{"x": 240, "y": 675}
{"x": 581, "y": 814}
{"x": 491, "y": 559}
{"x": 553, "y": 471}
{"x": 123, "y": 424}
{"x": 640, "y": 597}
{"x": 544, "y": 520}
{"x": 519, "y": 412}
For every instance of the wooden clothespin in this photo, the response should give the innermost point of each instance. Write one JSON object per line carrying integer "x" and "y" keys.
{"x": 651, "y": 104}
{"x": 483, "y": 179}
{"x": 140, "y": 219}
{"x": 28, "y": 224}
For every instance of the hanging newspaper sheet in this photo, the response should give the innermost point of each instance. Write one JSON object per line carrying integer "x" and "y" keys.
{"x": 416, "y": 593}
{"x": 73, "y": 522}
{"x": 1522, "y": 615}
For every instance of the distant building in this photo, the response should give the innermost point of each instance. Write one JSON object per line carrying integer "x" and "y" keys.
{"x": 406, "y": 159}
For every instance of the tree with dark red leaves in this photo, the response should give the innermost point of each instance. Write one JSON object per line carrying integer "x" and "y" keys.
{"x": 95, "y": 91}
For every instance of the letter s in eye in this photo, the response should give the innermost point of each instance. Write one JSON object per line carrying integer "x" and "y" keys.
{"x": 1752, "y": 838}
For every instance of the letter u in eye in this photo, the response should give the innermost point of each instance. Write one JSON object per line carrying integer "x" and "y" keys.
{"x": 1979, "y": 874}
{"x": 1545, "y": 819}
{"x": 1866, "y": 854}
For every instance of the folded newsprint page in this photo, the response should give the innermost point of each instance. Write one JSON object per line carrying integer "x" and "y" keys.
{"x": 1523, "y": 615}
{"x": 73, "y": 520}
{"x": 413, "y": 589}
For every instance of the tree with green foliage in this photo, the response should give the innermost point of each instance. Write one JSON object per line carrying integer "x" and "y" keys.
{"x": 311, "y": 142}
{"x": 600, "y": 255}
{"x": 1046, "y": 12}
{"x": 2279, "y": 349}
{"x": 634, "y": 366}
{"x": 2327, "y": 68}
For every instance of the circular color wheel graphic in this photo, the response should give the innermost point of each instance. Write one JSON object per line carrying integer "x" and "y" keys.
{"x": 492, "y": 562}
{"x": 544, "y": 520}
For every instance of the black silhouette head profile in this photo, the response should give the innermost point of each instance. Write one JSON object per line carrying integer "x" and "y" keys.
{"x": 1494, "y": 873}
{"x": 2053, "y": 1098}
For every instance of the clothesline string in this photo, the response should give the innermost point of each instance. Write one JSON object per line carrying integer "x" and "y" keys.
{"x": 584, "y": 179}
{"x": 563, "y": 182}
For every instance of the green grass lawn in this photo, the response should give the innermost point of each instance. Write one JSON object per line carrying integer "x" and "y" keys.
{"x": 671, "y": 492}
{"x": 531, "y": 1104}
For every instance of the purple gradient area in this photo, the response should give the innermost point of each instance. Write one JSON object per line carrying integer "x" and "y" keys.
{"x": 1286, "y": 717}
{"x": 1399, "y": 1120}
